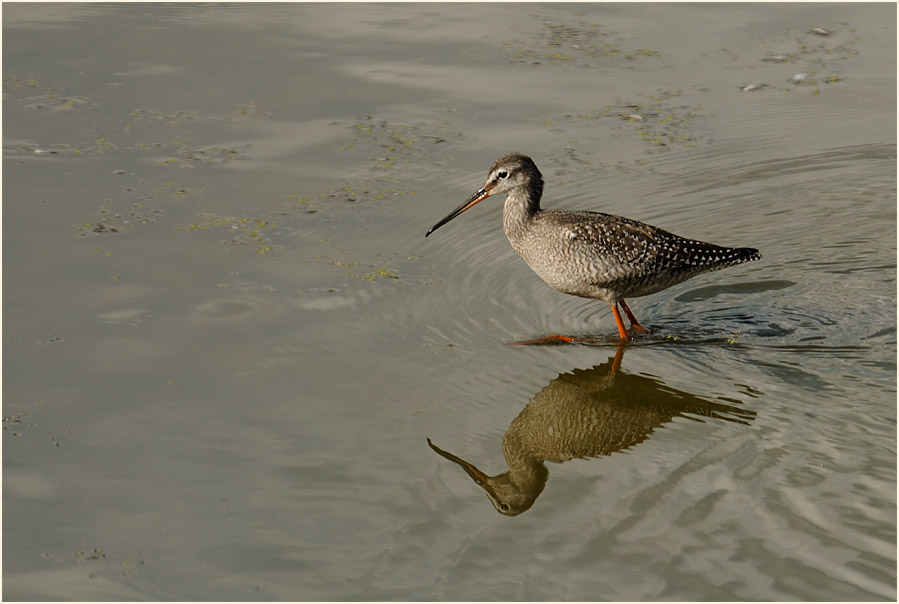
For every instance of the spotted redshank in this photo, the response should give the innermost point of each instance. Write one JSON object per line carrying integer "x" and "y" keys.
{"x": 590, "y": 254}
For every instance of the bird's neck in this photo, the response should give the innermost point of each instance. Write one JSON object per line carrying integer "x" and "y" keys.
{"x": 520, "y": 208}
{"x": 527, "y": 471}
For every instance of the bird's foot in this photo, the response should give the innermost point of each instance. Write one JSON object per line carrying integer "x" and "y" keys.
{"x": 559, "y": 340}
{"x": 550, "y": 340}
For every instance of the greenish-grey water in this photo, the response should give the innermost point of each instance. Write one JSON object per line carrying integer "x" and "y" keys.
{"x": 226, "y": 339}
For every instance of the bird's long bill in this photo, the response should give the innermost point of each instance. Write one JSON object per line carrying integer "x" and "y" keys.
{"x": 478, "y": 197}
{"x": 476, "y": 475}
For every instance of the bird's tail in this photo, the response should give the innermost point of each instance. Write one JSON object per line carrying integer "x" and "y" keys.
{"x": 744, "y": 254}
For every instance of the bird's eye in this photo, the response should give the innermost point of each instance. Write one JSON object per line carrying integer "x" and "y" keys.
{"x": 502, "y": 174}
{"x": 504, "y": 507}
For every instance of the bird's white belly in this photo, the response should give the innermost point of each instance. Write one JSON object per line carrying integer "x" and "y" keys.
{"x": 559, "y": 273}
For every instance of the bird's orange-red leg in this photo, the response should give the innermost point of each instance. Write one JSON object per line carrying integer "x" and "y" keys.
{"x": 621, "y": 330}
{"x": 616, "y": 362}
{"x": 632, "y": 318}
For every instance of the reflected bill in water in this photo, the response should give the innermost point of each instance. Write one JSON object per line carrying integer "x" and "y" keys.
{"x": 583, "y": 414}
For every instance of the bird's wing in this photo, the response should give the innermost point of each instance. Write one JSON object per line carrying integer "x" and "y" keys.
{"x": 622, "y": 239}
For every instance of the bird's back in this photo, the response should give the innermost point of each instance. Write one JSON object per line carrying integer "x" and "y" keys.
{"x": 608, "y": 257}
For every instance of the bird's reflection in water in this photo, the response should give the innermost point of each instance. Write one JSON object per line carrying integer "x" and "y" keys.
{"x": 582, "y": 414}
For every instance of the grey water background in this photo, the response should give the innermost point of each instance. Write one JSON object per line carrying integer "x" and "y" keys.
{"x": 226, "y": 340}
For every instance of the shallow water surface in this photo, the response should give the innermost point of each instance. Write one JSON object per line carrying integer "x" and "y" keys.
{"x": 227, "y": 342}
